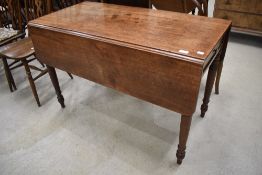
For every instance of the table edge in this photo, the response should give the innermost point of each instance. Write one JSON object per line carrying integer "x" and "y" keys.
{"x": 119, "y": 43}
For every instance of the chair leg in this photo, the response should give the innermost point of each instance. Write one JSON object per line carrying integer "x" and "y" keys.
{"x": 31, "y": 81}
{"x": 9, "y": 77}
{"x": 70, "y": 75}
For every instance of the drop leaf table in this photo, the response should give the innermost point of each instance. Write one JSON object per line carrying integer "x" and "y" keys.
{"x": 157, "y": 56}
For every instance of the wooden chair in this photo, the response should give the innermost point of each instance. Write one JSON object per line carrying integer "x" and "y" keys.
{"x": 183, "y": 6}
{"x": 11, "y": 29}
{"x": 11, "y": 24}
{"x": 22, "y": 51}
{"x": 202, "y": 6}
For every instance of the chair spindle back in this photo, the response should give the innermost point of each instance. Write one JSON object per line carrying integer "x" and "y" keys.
{"x": 10, "y": 14}
{"x": 36, "y": 8}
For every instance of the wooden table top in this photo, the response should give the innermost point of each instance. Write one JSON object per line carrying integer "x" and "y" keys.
{"x": 164, "y": 31}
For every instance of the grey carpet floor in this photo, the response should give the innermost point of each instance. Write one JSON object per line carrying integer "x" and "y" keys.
{"x": 102, "y": 131}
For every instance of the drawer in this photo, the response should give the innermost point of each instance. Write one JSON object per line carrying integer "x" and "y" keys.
{"x": 249, "y": 6}
{"x": 244, "y": 20}
{"x": 259, "y": 7}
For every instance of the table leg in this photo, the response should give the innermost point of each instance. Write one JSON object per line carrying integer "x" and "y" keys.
{"x": 218, "y": 76}
{"x": 220, "y": 66}
{"x": 185, "y": 124}
{"x": 54, "y": 79}
{"x": 70, "y": 75}
{"x": 209, "y": 84}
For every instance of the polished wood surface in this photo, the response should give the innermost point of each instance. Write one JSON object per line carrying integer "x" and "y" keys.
{"x": 134, "y": 50}
{"x": 132, "y": 26}
{"x": 18, "y": 50}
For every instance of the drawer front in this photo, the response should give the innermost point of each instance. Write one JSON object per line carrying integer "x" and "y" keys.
{"x": 244, "y": 20}
{"x": 259, "y": 6}
{"x": 249, "y": 6}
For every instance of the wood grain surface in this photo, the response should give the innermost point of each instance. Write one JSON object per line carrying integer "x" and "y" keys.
{"x": 165, "y": 31}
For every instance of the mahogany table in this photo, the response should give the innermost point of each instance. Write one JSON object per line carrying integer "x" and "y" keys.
{"x": 156, "y": 56}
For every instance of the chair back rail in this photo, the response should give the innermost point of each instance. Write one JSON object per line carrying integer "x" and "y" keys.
{"x": 36, "y": 8}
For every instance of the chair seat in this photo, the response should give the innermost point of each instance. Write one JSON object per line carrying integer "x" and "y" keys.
{"x": 18, "y": 50}
{"x": 7, "y": 33}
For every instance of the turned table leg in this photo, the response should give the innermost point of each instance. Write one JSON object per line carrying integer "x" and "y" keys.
{"x": 183, "y": 135}
{"x": 221, "y": 61}
{"x": 209, "y": 84}
{"x": 54, "y": 79}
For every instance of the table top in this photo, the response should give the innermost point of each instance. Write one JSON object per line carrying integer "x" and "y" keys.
{"x": 170, "y": 33}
